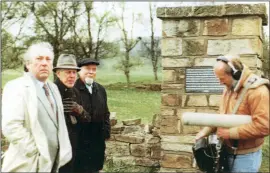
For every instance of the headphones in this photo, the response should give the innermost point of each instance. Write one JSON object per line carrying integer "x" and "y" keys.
{"x": 236, "y": 74}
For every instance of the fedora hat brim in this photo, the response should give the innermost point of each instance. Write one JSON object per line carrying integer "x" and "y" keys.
{"x": 66, "y": 67}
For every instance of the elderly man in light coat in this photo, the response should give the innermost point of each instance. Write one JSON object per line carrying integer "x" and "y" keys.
{"x": 33, "y": 119}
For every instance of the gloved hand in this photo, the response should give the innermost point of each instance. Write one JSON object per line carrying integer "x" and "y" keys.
{"x": 71, "y": 106}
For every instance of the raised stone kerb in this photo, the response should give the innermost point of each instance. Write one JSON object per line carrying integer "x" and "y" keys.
{"x": 214, "y": 11}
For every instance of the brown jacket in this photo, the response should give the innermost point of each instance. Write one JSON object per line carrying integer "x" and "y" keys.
{"x": 256, "y": 104}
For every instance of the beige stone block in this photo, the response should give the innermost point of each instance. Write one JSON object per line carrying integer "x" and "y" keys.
{"x": 251, "y": 61}
{"x": 156, "y": 131}
{"x": 179, "y": 62}
{"x": 168, "y": 146}
{"x": 189, "y": 27}
{"x": 172, "y": 129}
{"x": 247, "y": 26}
{"x": 171, "y": 100}
{"x": 180, "y": 111}
{"x": 117, "y": 129}
{"x": 193, "y": 47}
{"x": 169, "y": 28}
{"x": 117, "y": 148}
{"x": 133, "y": 129}
{"x": 113, "y": 122}
{"x": 168, "y": 75}
{"x": 139, "y": 150}
{"x": 259, "y": 63}
{"x": 168, "y": 120}
{"x": 214, "y": 100}
{"x": 234, "y": 46}
{"x": 146, "y": 162}
{"x": 197, "y": 100}
{"x": 156, "y": 152}
{"x": 133, "y": 139}
{"x": 176, "y": 161}
{"x": 127, "y": 160}
{"x": 171, "y": 46}
{"x": 208, "y": 110}
{"x": 186, "y": 139}
{"x": 131, "y": 122}
{"x": 152, "y": 140}
{"x": 190, "y": 129}
{"x": 217, "y": 26}
{"x": 205, "y": 61}
{"x": 167, "y": 111}
{"x": 184, "y": 98}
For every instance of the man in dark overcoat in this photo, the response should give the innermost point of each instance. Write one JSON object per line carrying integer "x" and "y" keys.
{"x": 66, "y": 71}
{"x": 93, "y": 134}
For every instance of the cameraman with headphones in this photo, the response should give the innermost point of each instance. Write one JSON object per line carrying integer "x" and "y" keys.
{"x": 248, "y": 94}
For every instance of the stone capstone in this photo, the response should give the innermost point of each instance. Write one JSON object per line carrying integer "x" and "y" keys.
{"x": 213, "y": 11}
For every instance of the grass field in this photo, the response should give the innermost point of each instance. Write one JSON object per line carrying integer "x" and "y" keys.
{"x": 132, "y": 103}
{"x": 129, "y": 104}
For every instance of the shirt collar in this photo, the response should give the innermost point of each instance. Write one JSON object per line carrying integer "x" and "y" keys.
{"x": 41, "y": 84}
{"x": 88, "y": 86}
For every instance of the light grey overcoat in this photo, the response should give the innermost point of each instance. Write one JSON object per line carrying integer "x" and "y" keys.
{"x": 31, "y": 127}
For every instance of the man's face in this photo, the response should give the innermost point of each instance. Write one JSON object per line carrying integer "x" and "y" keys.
{"x": 88, "y": 71}
{"x": 67, "y": 77}
{"x": 41, "y": 67}
{"x": 224, "y": 78}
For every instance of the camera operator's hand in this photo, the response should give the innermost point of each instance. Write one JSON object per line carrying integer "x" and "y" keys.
{"x": 223, "y": 133}
{"x": 199, "y": 135}
{"x": 71, "y": 106}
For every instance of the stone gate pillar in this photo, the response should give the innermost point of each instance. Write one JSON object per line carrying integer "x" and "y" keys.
{"x": 192, "y": 38}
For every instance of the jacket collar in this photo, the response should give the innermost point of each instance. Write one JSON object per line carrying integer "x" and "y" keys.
{"x": 60, "y": 85}
{"x": 244, "y": 76}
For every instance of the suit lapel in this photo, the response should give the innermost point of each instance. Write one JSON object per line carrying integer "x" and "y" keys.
{"x": 58, "y": 99}
{"x": 45, "y": 102}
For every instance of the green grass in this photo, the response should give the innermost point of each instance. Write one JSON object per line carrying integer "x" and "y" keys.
{"x": 266, "y": 156}
{"x": 131, "y": 103}
{"x": 106, "y": 74}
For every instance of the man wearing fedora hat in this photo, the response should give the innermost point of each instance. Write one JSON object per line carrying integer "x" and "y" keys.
{"x": 66, "y": 71}
{"x": 94, "y": 134}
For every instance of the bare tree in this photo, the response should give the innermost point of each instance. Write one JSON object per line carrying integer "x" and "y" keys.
{"x": 129, "y": 43}
{"x": 153, "y": 49}
{"x": 89, "y": 8}
{"x": 82, "y": 41}
{"x": 103, "y": 21}
{"x": 53, "y": 21}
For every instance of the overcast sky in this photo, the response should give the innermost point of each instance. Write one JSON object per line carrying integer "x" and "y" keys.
{"x": 142, "y": 27}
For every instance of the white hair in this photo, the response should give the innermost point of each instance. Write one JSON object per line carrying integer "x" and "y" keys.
{"x": 39, "y": 49}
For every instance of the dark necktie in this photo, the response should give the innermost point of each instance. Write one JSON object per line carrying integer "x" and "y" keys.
{"x": 48, "y": 95}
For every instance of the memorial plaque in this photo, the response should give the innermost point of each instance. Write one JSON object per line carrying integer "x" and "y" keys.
{"x": 202, "y": 80}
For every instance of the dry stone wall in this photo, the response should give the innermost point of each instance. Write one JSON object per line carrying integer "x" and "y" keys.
{"x": 132, "y": 146}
